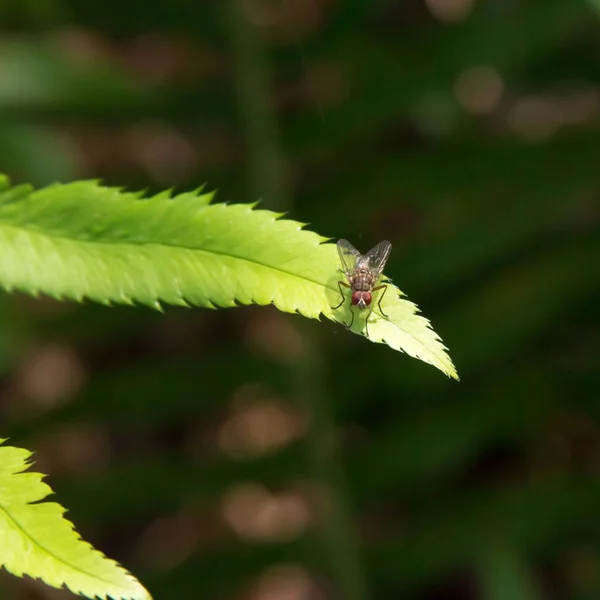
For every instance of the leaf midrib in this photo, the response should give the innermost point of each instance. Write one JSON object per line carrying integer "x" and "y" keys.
{"x": 53, "y": 555}
{"x": 77, "y": 240}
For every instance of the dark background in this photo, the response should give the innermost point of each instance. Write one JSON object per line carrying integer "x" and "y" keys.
{"x": 256, "y": 455}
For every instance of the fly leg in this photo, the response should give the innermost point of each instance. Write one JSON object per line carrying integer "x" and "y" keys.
{"x": 375, "y": 289}
{"x": 340, "y": 284}
{"x": 367, "y": 323}
{"x": 352, "y": 321}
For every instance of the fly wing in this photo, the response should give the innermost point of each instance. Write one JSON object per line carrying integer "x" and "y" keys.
{"x": 377, "y": 256}
{"x": 348, "y": 256}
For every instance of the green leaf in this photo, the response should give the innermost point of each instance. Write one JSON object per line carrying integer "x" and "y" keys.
{"x": 82, "y": 240}
{"x": 38, "y": 541}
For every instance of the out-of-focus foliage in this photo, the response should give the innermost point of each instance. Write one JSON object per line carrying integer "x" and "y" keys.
{"x": 41, "y": 543}
{"x": 249, "y": 454}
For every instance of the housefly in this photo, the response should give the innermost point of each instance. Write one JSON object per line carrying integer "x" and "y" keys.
{"x": 362, "y": 272}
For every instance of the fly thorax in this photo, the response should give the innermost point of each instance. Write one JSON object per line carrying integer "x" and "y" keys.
{"x": 362, "y": 282}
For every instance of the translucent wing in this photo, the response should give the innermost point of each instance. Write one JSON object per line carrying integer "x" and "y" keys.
{"x": 376, "y": 257}
{"x": 348, "y": 255}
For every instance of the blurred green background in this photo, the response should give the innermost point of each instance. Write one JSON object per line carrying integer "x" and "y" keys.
{"x": 254, "y": 455}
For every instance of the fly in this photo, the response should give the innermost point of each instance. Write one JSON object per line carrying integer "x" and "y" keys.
{"x": 362, "y": 272}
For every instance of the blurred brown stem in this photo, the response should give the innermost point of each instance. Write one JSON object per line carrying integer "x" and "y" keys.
{"x": 266, "y": 172}
{"x": 339, "y": 530}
